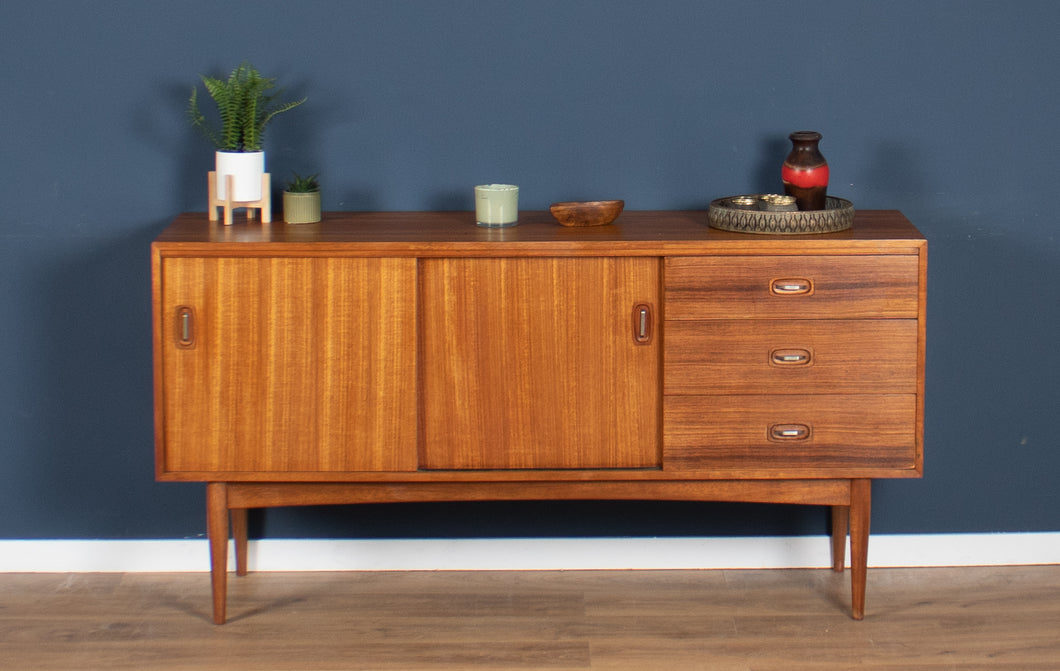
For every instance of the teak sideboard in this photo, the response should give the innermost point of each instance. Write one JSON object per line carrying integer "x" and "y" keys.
{"x": 397, "y": 357}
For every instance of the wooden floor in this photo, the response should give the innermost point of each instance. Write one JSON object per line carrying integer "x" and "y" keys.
{"x": 966, "y": 618}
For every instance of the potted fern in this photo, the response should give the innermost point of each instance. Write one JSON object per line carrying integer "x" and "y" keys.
{"x": 301, "y": 200}
{"x": 246, "y": 107}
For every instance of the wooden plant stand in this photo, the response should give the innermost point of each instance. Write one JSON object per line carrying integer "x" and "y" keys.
{"x": 265, "y": 204}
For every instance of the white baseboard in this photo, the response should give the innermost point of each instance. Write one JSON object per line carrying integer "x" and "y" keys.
{"x": 84, "y": 556}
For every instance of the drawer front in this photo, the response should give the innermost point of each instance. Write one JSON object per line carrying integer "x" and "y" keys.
{"x": 791, "y": 287}
{"x": 763, "y": 432}
{"x": 790, "y": 356}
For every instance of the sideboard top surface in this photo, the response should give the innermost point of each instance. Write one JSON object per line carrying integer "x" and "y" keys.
{"x": 455, "y": 233}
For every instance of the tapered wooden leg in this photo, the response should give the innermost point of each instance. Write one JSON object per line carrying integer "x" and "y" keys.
{"x": 239, "y": 533}
{"x": 860, "y": 511}
{"x": 217, "y": 532}
{"x": 840, "y": 524}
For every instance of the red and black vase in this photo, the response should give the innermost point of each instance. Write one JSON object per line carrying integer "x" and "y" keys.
{"x": 805, "y": 172}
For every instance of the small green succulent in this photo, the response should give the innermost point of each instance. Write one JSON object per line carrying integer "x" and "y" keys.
{"x": 303, "y": 184}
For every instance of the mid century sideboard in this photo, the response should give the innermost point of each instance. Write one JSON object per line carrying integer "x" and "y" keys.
{"x": 386, "y": 357}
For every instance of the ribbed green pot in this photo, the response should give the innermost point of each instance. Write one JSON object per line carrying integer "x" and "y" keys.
{"x": 301, "y": 208}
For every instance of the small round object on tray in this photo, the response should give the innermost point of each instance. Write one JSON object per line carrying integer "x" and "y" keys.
{"x": 734, "y": 214}
{"x": 588, "y": 212}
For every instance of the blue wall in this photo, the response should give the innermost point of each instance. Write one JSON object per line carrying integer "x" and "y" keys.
{"x": 944, "y": 110}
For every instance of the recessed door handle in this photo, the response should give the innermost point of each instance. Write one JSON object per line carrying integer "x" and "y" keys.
{"x": 642, "y": 323}
{"x": 185, "y": 327}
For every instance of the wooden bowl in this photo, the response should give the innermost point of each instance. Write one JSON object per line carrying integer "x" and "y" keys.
{"x": 587, "y": 213}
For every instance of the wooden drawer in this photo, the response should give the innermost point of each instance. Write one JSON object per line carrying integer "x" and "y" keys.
{"x": 790, "y": 356}
{"x": 762, "y": 432}
{"x": 791, "y": 287}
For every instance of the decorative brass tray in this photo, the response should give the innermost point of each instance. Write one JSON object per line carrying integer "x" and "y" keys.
{"x": 730, "y": 214}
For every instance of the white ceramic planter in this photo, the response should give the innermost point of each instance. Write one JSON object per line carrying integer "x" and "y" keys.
{"x": 246, "y": 167}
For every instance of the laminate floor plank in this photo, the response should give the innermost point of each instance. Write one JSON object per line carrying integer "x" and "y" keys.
{"x": 746, "y": 620}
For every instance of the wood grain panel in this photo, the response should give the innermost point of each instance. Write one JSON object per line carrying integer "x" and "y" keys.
{"x": 737, "y": 356}
{"x": 294, "y": 364}
{"x": 841, "y": 287}
{"x": 717, "y": 432}
{"x": 532, "y": 363}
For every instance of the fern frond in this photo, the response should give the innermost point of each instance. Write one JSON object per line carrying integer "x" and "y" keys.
{"x": 280, "y": 109}
{"x": 243, "y": 105}
{"x": 254, "y": 88}
{"x": 199, "y": 121}
{"x": 225, "y": 94}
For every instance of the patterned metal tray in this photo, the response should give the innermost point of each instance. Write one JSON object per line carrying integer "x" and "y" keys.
{"x": 728, "y": 215}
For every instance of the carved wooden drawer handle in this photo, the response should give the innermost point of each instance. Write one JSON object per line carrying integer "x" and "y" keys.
{"x": 791, "y": 287}
{"x": 789, "y": 432}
